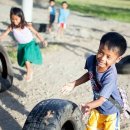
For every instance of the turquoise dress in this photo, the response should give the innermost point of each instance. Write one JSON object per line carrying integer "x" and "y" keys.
{"x": 29, "y": 52}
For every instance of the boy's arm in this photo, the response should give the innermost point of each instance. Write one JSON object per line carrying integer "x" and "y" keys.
{"x": 49, "y": 11}
{"x": 4, "y": 34}
{"x": 96, "y": 103}
{"x": 82, "y": 79}
{"x": 70, "y": 86}
{"x": 37, "y": 34}
{"x": 86, "y": 108}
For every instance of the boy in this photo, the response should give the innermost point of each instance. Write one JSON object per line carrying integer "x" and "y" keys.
{"x": 62, "y": 18}
{"x": 52, "y": 13}
{"x": 103, "y": 114}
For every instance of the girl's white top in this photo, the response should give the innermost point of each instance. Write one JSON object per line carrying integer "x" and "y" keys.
{"x": 22, "y": 36}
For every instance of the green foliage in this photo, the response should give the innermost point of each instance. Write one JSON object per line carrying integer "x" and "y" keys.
{"x": 114, "y": 9}
{"x": 12, "y": 52}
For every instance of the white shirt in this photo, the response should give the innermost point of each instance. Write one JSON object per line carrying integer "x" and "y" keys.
{"x": 22, "y": 36}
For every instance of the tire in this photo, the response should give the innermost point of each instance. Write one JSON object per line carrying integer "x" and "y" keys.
{"x": 55, "y": 114}
{"x": 123, "y": 67}
{"x": 6, "y": 71}
{"x": 40, "y": 27}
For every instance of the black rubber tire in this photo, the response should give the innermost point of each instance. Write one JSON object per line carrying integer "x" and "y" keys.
{"x": 123, "y": 67}
{"x": 40, "y": 27}
{"x": 55, "y": 114}
{"x": 6, "y": 71}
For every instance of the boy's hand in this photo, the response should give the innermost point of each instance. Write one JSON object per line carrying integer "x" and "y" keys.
{"x": 68, "y": 88}
{"x": 85, "y": 109}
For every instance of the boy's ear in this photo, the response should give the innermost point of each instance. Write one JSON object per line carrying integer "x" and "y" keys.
{"x": 118, "y": 59}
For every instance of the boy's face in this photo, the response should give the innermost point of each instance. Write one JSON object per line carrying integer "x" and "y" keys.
{"x": 106, "y": 57}
{"x": 64, "y": 5}
{"x": 52, "y": 3}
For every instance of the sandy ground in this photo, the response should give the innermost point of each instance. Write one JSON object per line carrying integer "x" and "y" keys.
{"x": 63, "y": 62}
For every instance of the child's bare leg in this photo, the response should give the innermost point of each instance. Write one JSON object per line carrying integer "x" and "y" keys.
{"x": 60, "y": 31}
{"x": 29, "y": 70}
{"x": 49, "y": 28}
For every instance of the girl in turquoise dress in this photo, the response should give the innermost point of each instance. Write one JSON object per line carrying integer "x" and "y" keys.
{"x": 28, "y": 49}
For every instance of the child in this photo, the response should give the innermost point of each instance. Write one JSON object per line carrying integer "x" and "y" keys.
{"x": 62, "y": 18}
{"x": 28, "y": 49}
{"x": 103, "y": 114}
{"x": 52, "y": 14}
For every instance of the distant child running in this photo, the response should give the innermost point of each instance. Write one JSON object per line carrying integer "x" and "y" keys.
{"x": 52, "y": 13}
{"x": 28, "y": 49}
{"x": 103, "y": 76}
{"x": 62, "y": 18}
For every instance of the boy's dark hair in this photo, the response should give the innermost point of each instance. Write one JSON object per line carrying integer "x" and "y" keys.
{"x": 19, "y": 13}
{"x": 114, "y": 40}
{"x": 64, "y": 2}
{"x": 51, "y": 1}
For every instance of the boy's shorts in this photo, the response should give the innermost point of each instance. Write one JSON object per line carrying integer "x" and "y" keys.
{"x": 99, "y": 121}
{"x": 52, "y": 19}
{"x": 62, "y": 25}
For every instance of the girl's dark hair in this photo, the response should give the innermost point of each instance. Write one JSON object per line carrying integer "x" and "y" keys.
{"x": 19, "y": 13}
{"x": 114, "y": 40}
